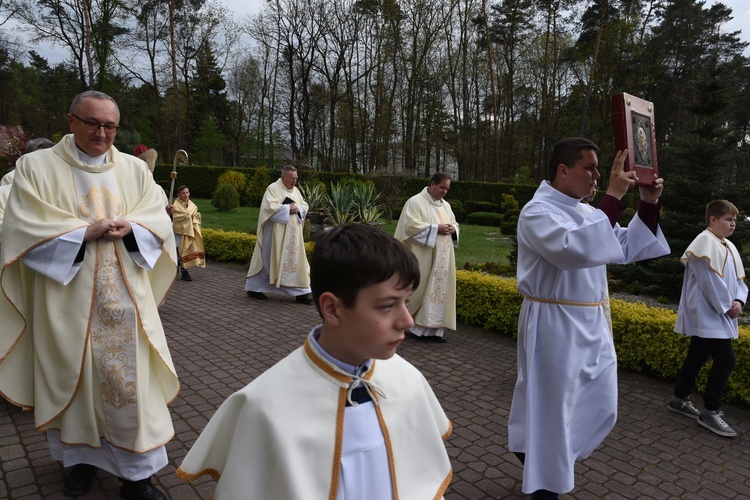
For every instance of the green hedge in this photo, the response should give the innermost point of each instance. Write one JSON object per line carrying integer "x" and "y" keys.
{"x": 644, "y": 336}
{"x": 484, "y": 219}
{"x": 232, "y": 246}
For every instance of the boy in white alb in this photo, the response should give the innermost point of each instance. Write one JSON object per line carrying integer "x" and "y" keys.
{"x": 343, "y": 416}
{"x": 713, "y": 295}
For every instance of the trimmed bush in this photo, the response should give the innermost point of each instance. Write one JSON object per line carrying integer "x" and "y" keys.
{"x": 509, "y": 223}
{"x": 509, "y": 203}
{"x": 257, "y": 186}
{"x": 226, "y": 197}
{"x": 480, "y": 206}
{"x": 233, "y": 246}
{"x": 484, "y": 219}
{"x": 458, "y": 210}
{"x": 236, "y": 179}
{"x": 490, "y": 302}
{"x": 228, "y": 246}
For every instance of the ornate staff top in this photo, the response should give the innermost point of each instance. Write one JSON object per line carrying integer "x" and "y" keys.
{"x": 180, "y": 158}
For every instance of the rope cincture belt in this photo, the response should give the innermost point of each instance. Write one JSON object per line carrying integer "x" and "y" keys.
{"x": 565, "y": 302}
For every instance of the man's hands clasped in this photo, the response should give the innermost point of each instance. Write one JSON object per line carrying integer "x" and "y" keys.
{"x": 107, "y": 228}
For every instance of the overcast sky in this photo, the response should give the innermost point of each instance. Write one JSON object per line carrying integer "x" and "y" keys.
{"x": 740, "y": 11}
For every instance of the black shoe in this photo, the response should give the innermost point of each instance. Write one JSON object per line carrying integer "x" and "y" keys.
{"x": 434, "y": 338}
{"x": 544, "y": 495}
{"x": 140, "y": 490}
{"x": 186, "y": 276}
{"x": 304, "y": 299}
{"x": 257, "y": 295}
{"x": 79, "y": 480}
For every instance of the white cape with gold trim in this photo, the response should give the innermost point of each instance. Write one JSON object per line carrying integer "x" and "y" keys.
{"x": 90, "y": 357}
{"x": 280, "y": 436}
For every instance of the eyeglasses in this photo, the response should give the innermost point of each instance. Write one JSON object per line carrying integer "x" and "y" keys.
{"x": 92, "y": 126}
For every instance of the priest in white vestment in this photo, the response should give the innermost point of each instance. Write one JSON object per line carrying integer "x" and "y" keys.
{"x": 565, "y": 398}
{"x": 279, "y": 263}
{"x": 88, "y": 256}
{"x": 343, "y": 417}
{"x": 429, "y": 229}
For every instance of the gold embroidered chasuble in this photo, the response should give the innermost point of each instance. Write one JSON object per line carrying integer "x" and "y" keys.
{"x": 187, "y": 223}
{"x": 90, "y": 357}
{"x": 433, "y": 303}
{"x": 288, "y": 260}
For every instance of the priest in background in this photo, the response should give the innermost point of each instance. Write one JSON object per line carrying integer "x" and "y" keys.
{"x": 279, "y": 264}
{"x": 429, "y": 229}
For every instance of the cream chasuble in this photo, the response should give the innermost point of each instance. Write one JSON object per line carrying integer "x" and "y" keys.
{"x": 279, "y": 259}
{"x": 433, "y": 303}
{"x": 7, "y": 179}
{"x": 187, "y": 223}
{"x": 281, "y": 436}
{"x": 4, "y": 193}
{"x": 89, "y": 356}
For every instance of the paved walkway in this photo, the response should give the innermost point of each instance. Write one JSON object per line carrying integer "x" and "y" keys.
{"x": 220, "y": 340}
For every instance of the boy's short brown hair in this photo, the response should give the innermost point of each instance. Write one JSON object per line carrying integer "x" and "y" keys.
{"x": 350, "y": 257}
{"x": 718, "y": 208}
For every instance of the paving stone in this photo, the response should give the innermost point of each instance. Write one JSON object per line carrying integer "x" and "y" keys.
{"x": 229, "y": 340}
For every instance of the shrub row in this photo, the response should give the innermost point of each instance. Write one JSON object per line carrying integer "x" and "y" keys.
{"x": 233, "y": 246}
{"x": 644, "y": 336}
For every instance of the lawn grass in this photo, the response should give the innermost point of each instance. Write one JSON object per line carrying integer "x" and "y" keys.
{"x": 479, "y": 244}
{"x": 242, "y": 219}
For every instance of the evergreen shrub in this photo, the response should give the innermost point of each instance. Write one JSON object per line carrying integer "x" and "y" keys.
{"x": 480, "y": 206}
{"x": 484, "y": 219}
{"x": 233, "y": 177}
{"x": 228, "y": 246}
{"x": 233, "y": 246}
{"x": 226, "y": 197}
{"x": 257, "y": 186}
{"x": 509, "y": 223}
{"x": 509, "y": 203}
{"x": 458, "y": 210}
{"x": 490, "y": 302}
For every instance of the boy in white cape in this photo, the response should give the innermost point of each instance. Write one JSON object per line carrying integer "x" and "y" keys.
{"x": 343, "y": 416}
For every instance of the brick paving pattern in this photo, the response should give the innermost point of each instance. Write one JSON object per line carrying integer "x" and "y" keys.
{"x": 221, "y": 339}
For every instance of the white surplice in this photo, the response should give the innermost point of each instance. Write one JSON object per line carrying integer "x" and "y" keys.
{"x": 565, "y": 398}
{"x": 714, "y": 278}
